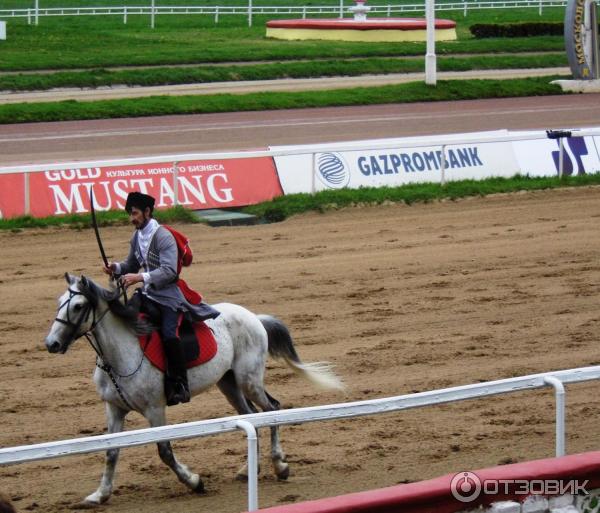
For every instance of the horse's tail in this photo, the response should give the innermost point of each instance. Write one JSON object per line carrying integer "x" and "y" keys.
{"x": 281, "y": 346}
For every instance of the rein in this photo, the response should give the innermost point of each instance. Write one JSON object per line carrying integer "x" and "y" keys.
{"x": 94, "y": 342}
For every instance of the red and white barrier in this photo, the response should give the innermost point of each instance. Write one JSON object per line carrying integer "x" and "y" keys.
{"x": 436, "y": 495}
{"x": 235, "y": 179}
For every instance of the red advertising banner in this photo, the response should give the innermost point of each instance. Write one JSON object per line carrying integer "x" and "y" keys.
{"x": 199, "y": 185}
{"x": 12, "y": 195}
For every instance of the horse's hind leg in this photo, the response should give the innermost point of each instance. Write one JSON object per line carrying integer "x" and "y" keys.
{"x": 115, "y": 417}
{"x": 156, "y": 417}
{"x": 278, "y": 459}
{"x": 229, "y": 388}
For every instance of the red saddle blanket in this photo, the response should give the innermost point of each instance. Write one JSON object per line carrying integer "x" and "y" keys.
{"x": 151, "y": 344}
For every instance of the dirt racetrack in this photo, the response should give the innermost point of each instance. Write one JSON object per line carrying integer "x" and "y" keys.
{"x": 400, "y": 298}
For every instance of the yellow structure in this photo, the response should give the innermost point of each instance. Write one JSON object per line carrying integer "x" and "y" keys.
{"x": 373, "y": 30}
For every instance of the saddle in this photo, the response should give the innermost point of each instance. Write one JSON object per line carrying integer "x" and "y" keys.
{"x": 199, "y": 344}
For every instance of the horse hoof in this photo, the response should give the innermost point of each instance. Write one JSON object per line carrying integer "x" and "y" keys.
{"x": 199, "y": 488}
{"x": 282, "y": 475}
{"x": 92, "y": 501}
{"x": 85, "y": 504}
{"x": 243, "y": 478}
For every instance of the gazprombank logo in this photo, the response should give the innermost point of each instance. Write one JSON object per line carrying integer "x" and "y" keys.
{"x": 333, "y": 170}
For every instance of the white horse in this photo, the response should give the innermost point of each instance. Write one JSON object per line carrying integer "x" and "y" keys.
{"x": 127, "y": 381}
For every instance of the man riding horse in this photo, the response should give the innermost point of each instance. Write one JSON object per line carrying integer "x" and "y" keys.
{"x": 154, "y": 250}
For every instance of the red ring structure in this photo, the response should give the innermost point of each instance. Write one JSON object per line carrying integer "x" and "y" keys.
{"x": 369, "y": 24}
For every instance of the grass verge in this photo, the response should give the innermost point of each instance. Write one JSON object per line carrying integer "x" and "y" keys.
{"x": 286, "y": 206}
{"x": 304, "y": 69}
{"x": 81, "y": 221}
{"x": 169, "y": 105}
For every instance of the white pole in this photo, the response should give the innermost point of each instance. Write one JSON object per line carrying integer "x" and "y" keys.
{"x": 175, "y": 183}
{"x": 152, "y": 14}
{"x": 430, "y": 59}
{"x": 559, "y": 390}
{"x": 249, "y": 13}
{"x": 561, "y": 154}
{"x": 341, "y": 8}
{"x": 252, "y": 463}
{"x": 27, "y": 198}
{"x": 443, "y": 180}
{"x": 37, "y": 11}
{"x": 313, "y": 174}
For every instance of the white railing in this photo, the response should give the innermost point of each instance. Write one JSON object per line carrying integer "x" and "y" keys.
{"x": 249, "y": 423}
{"x": 442, "y": 141}
{"x": 33, "y": 14}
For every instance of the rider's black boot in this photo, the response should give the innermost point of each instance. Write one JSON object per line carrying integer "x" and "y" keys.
{"x": 176, "y": 383}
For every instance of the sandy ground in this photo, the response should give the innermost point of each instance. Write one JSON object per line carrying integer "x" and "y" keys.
{"x": 401, "y": 298}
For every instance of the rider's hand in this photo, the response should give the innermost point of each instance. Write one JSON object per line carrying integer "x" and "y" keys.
{"x": 131, "y": 279}
{"x": 110, "y": 268}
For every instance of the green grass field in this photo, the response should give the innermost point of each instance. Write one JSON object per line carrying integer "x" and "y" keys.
{"x": 103, "y": 41}
{"x": 91, "y": 46}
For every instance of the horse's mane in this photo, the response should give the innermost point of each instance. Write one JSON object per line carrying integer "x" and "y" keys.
{"x": 128, "y": 312}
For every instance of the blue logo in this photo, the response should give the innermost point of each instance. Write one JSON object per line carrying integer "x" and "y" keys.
{"x": 574, "y": 149}
{"x": 333, "y": 170}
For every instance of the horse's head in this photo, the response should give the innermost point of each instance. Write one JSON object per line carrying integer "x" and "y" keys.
{"x": 76, "y": 314}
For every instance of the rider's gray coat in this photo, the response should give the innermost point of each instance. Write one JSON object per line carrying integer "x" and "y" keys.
{"x": 162, "y": 269}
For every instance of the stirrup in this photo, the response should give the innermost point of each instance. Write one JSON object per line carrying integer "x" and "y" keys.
{"x": 177, "y": 393}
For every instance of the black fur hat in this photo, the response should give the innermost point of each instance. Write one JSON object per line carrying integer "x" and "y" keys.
{"x": 139, "y": 200}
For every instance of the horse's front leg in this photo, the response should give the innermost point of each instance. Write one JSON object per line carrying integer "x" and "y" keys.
{"x": 157, "y": 417}
{"x": 115, "y": 417}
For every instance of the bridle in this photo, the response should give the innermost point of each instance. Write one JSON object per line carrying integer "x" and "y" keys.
{"x": 91, "y": 338}
{"x": 85, "y": 315}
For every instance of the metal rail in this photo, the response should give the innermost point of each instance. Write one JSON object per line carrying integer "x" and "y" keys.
{"x": 249, "y": 423}
{"x": 33, "y": 14}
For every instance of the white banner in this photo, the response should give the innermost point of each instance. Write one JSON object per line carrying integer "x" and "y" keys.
{"x": 408, "y": 160}
{"x": 540, "y": 157}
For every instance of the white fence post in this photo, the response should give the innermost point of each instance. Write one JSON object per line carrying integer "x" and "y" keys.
{"x": 559, "y": 390}
{"x": 443, "y": 163}
{"x": 37, "y": 12}
{"x": 561, "y": 155}
{"x": 125, "y": 15}
{"x": 175, "y": 183}
{"x": 252, "y": 437}
{"x": 430, "y": 59}
{"x": 313, "y": 174}
{"x": 249, "y": 13}
{"x": 27, "y": 195}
